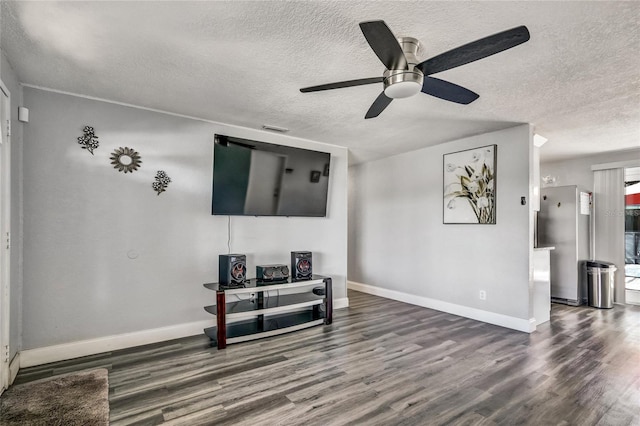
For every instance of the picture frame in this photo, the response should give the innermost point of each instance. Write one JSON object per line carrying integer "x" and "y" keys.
{"x": 469, "y": 186}
{"x": 315, "y": 176}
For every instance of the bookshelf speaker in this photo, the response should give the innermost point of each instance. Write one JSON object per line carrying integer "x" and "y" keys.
{"x": 232, "y": 269}
{"x": 301, "y": 265}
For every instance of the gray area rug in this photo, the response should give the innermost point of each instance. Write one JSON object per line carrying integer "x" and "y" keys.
{"x": 72, "y": 399}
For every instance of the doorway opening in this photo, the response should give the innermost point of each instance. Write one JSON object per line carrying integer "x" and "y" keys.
{"x": 632, "y": 235}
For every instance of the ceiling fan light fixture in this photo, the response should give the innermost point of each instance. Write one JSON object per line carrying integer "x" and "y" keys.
{"x": 402, "y": 89}
{"x": 402, "y": 84}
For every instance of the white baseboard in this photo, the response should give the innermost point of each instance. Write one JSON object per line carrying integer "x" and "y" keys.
{"x": 451, "y": 308}
{"x": 38, "y": 356}
{"x": 45, "y": 355}
{"x": 14, "y": 366}
{"x": 341, "y": 303}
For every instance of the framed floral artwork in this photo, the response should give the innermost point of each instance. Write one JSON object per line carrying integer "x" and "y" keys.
{"x": 469, "y": 181}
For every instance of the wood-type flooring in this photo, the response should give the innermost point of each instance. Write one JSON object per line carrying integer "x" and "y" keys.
{"x": 384, "y": 362}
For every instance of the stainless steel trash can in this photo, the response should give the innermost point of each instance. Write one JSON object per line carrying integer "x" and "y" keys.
{"x": 600, "y": 283}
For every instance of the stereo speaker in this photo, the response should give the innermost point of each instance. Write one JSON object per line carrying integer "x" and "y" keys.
{"x": 272, "y": 272}
{"x": 232, "y": 269}
{"x": 301, "y": 267}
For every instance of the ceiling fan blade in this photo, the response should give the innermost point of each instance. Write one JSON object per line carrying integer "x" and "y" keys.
{"x": 475, "y": 50}
{"x": 448, "y": 91}
{"x": 384, "y": 44}
{"x": 341, "y": 84}
{"x": 381, "y": 102}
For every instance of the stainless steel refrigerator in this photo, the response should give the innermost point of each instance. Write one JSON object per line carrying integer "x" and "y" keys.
{"x": 563, "y": 222}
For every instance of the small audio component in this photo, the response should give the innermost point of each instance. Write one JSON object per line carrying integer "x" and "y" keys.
{"x": 301, "y": 267}
{"x": 272, "y": 272}
{"x": 232, "y": 269}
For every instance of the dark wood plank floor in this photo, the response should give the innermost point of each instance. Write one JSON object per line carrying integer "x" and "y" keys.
{"x": 386, "y": 363}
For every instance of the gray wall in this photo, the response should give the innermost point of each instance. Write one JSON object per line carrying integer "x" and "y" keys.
{"x": 578, "y": 171}
{"x": 10, "y": 79}
{"x": 84, "y": 221}
{"x": 397, "y": 240}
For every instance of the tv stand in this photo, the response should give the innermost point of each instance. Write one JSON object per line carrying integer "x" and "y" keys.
{"x": 253, "y": 311}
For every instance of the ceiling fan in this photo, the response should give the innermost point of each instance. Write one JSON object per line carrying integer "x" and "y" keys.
{"x": 405, "y": 76}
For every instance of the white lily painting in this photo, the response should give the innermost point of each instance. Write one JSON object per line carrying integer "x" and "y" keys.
{"x": 470, "y": 186}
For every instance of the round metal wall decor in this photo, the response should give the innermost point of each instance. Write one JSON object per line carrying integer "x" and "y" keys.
{"x": 126, "y": 160}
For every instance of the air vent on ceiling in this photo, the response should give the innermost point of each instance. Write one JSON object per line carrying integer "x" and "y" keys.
{"x": 275, "y": 128}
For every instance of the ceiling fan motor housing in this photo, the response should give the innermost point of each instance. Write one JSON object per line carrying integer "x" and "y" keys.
{"x": 405, "y": 83}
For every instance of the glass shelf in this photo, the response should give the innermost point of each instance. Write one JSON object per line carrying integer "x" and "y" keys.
{"x": 264, "y": 314}
{"x": 270, "y": 304}
{"x": 253, "y": 285}
{"x": 242, "y": 331}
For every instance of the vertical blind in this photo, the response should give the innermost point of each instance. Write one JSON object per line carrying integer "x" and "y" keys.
{"x": 608, "y": 223}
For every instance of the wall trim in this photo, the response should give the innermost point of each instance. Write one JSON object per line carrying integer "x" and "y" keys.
{"x": 47, "y": 354}
{"x": 341, "y": 303}
{"x": 616, "y": 165}
{"x": 501, "y": 320}
{"x": 64, "y": 351}
{"x": 7, "y": 255}
{"x": 14, "y": 366}
{"x": 174, "y": 114}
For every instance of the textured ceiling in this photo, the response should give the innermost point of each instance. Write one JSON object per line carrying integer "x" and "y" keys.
{"x": 577, "y": 80}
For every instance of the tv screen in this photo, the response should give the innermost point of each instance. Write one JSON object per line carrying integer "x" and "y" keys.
{"x": 262, "y": 179}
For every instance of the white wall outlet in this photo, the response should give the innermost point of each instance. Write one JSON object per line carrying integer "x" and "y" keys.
{"x": 483, "y": 295}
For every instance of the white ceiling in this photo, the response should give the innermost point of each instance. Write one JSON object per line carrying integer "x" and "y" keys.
{"x": 577, "y": 80}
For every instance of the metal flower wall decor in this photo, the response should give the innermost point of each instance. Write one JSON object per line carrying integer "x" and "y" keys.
{"x": 126, "y": 160}
{"x": 88, "y": 140}
{"x": 161, "y": 183}
{"x": 470, "y": 186}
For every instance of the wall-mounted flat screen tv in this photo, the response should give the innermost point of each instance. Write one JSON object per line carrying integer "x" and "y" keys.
{"x": 261, "y": 179}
